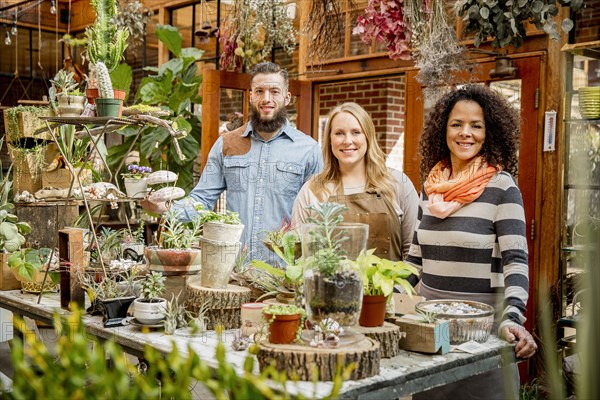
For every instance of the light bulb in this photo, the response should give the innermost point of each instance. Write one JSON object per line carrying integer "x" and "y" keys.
{"x": 13, "y": 30}
{"x": 7, "y": 40}
{"x": 52, "y": 7}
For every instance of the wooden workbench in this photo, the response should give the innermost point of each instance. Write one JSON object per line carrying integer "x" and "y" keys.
{"x": 399, "y": 376}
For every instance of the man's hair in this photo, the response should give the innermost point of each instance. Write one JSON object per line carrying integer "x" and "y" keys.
{"x": 270, "y": 68}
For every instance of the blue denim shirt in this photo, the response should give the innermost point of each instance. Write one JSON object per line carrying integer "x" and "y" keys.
{"x": 262, "y": 181}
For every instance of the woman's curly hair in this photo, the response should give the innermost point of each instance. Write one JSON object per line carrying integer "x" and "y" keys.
{"x": 502, "y": 130}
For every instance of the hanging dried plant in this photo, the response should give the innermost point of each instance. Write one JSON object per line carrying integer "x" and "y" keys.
{"x": 133, "y": 16}
{"x": 250, "y": 32}
{"x": 435, "y": 47}
{"x": 383, "y": 21}
{"x": 324, "y": 27}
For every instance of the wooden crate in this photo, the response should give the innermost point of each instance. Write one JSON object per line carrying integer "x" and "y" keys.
{"x": 46, "y": 219}
{"x": 7, "y": 278}
{"x": 424, "y": 337}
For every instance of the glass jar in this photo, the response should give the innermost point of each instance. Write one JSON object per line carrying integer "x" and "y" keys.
{"x": 333, "y": 287}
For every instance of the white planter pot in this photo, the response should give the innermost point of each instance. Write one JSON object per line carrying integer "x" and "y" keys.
{"x": 149, "y": 313}
{"x": 218, "y": 260}
{"x": 220, "y": 232}
{"x": 135, "y": 188}
{"x": 70, "y": 106}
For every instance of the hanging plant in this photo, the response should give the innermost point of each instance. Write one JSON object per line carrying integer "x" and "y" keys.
{"x": 436, "y": 49}
{"x": 250, "y": 32}
{"x": 505, "y": 21}
{"x": 383, "y": 21}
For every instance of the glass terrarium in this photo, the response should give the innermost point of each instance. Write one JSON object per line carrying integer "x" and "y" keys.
{"x": 333, "y": 287}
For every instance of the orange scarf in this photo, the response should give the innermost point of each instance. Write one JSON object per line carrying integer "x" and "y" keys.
{"x": 446, "y": 195}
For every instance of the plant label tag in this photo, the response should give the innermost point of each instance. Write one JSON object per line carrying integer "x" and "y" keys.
{"x": 549, "y": 130}
{"x": 470, "y": 347}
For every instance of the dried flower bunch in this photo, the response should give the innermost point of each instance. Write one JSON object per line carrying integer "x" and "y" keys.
{"x": 505, "y": 22}
{"x": 253, "y": 28}
{"x": 383, "y": 21}
{"x": 137, "y": 171}
{"x": 435, "y": 47}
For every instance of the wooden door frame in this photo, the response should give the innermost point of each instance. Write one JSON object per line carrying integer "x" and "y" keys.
{"x": 529, "y": 71}
{"x": 212, "y": 83}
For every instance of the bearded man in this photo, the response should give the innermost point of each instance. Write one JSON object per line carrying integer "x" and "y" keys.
{"x": 262, "y": 165}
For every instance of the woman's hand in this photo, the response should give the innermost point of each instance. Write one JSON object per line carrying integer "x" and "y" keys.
{"x": 526, "y": 346}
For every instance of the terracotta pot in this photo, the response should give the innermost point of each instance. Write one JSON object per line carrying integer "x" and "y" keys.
{"x": 283, "y": 329}
{"x": 92, "y": 94}
{"x": 373, "y": 311}
{"x": 172, "y": 261}
{"x": 120, "y": 94}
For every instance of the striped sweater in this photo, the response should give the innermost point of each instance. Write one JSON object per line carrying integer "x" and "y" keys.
{"x": 478, "y": 251}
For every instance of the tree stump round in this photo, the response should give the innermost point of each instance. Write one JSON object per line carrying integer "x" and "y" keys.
{"x": 222, "y": 305}
{"x": 307, "y": 363}
{"x": 388, "y": 336}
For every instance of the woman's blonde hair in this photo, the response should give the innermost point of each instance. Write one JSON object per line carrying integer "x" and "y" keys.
{"x": 378, "y": 176}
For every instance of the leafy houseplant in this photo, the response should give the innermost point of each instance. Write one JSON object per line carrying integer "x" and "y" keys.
{"x": 150, "y": 307}
{"x": 29, "y": 266}
{"x": 12, "y": 230}
{"x": 332, "y": 283}
{"x": 379, "y": 277}
{"x": 285, "y": 322}
{"x": 505, "y": 23}
{"x": 174, "y": 88}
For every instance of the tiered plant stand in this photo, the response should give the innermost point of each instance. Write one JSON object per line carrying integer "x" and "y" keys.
{"x": 224, "y": 305}
{"x": 389, "y": 336}
{"x": 308, "y": 363}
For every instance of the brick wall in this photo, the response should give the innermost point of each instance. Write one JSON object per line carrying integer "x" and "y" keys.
{"x": 587, "y": 25}
{"x": 383, "y": 99}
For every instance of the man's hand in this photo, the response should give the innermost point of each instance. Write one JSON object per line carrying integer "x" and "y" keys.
{"x": 155, "y": 208}
{"x": 526, "y": 346}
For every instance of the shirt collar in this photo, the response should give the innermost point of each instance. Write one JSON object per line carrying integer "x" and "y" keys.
{"x": 287, "y": 130}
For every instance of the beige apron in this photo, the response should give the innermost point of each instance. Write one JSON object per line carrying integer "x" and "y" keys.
{"x": 375, "y": 210}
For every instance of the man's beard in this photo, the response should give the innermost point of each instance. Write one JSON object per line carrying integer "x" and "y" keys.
{"x": 267, "y": 125}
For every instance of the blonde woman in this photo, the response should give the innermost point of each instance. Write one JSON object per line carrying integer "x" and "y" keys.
{"x": 355, "y": 175}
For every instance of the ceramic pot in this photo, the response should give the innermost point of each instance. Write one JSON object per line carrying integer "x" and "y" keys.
{"x": 114, "y": 310}
{"x": 149, "y": 313}
{"x": 108, "y": 107}
{"x": 173, "y": 261}
{"x": 70, "y": 106}
{"x": 283, "y": 329}
{"x": 220, "y": 232}
{"x": 135, "y": 188}
{"x": 373, "y": 311}
{"x": 251, "y": 316}
{"x": 218, "y": 260}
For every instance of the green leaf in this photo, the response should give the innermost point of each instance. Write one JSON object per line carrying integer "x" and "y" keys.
{"x": 23, "y": 227}
{"x": 384, "y": 283}
{"x": 484, "y": 12}
{"x": 263, "y": 266}
{"x": 170, "y": 37}
{"x": 121, "y": 78}
{"x": 537, "y": 6}
{"x": 175, "y": 65}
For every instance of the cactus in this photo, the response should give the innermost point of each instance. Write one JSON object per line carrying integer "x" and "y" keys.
{"x": 106, "y": 42}
{"x": 104, "y": 84}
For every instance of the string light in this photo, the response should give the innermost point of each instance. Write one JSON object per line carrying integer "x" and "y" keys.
{"x": 13, "y": 30}
{"x": 7, "y": 40}
{"x": 52, "y": 7}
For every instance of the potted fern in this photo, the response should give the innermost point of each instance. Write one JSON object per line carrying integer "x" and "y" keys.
{"x": 176, "y": 253}
{"x": 333, "y": 286}
{"x": 149, "y": 308}
{"x": 379, "y": 277}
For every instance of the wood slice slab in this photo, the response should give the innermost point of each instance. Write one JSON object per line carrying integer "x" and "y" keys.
{"x": 229, "y": 318}
{"x": 231, "y": 297}
{"x": 388, "y": 336}
{"x": 309, "y": 363}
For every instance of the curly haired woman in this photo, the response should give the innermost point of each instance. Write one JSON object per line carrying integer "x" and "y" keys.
{"x": 469, "y": 241}
{"x": 355, "y": 175}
